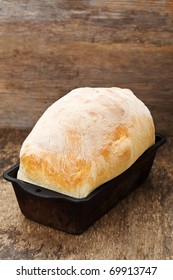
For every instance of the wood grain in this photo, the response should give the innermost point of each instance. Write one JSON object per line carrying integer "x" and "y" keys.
{"x": 139, "y": 227}
{"x": 50, "y": 47}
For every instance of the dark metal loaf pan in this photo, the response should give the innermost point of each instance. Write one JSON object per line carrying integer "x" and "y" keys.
{"x": 74, "y": 215}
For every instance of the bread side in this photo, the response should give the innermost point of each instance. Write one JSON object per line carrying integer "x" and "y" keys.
{"x": 86, "y": 138}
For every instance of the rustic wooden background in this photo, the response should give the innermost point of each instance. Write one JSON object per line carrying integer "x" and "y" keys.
{"x": 49, "y": 47}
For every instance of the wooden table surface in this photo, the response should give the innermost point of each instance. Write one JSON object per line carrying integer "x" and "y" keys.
{"x": 47, "y": 48}
{"x": 140, "y": 227}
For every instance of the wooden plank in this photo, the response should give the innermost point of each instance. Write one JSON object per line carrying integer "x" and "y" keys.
{"x": 48, "y": 48}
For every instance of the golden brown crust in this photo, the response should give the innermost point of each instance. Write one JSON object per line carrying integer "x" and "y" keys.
{"x": 85, "y": 139}
{"x": 36, "y": 167}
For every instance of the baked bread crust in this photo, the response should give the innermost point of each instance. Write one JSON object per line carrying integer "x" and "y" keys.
{"x": 85, "y": 139}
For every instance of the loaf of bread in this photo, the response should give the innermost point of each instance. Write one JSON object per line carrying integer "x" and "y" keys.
{"x": 85, "y": 139}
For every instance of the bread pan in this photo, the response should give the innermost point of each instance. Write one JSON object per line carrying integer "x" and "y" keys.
{"x": 74, "y": 215}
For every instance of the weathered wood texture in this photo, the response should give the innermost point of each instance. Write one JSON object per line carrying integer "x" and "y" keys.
{"x": 50, "y": 47}
{"x": 139, "y": 227}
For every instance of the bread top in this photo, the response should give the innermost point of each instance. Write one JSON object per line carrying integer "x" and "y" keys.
{"x": 86, "y": 138}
